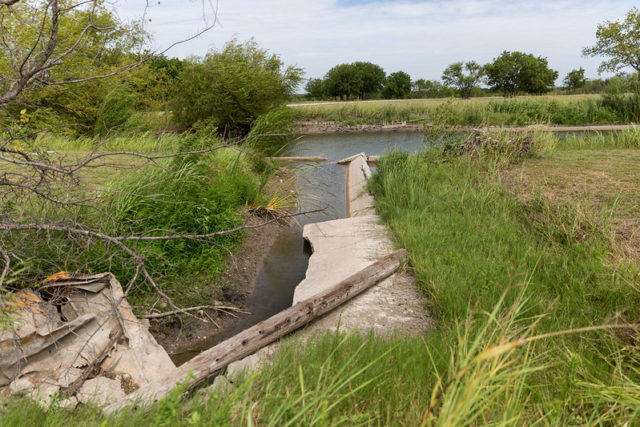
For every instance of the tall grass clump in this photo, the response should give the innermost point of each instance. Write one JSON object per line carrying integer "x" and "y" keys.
{"x": 625, "y": 139}
{"x": 187, "y": 195}
{"x": 192, "y": 198}
{"x": 271, "y": 132}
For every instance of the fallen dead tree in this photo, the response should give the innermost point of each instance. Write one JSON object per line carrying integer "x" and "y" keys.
{"x": 210, "y": 362}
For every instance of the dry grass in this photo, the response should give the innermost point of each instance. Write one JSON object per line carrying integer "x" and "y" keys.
{"x": 603, "y": 183}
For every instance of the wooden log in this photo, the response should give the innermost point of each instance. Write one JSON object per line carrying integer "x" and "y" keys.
{"x": 373, "y": 159}
{"x": 298, "y": 159}
{"x": 209, "y": 362}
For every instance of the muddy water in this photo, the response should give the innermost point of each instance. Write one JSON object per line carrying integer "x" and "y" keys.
{"x": 320, "y": 186}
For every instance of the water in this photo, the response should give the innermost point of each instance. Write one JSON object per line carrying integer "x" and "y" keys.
{"x": 338, "y": 146}
{"x": 320, "y": 186}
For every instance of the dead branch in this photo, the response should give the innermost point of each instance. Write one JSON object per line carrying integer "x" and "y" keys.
{"x": 75, "y": 386}
{"x": 43, "y": 56}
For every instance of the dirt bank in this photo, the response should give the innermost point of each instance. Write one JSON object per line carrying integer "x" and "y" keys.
{"x": 327, "y": 127}
{"x": 320, "y": 128}
{"x": 239, "y": 276}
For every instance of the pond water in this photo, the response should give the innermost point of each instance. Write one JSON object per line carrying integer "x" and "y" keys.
{"x": 320, "y": 186}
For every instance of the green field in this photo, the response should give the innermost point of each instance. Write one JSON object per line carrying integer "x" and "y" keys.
{"x": 490, "y": 111}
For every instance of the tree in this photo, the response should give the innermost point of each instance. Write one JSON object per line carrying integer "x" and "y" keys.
{"x": 619, "y": 41}
{"x": 422, "y": 88}
{"x": 363, "y": 80}
{"x": 56, "y": 58}
{"x": 231, "y": 88}
{"x": 372, "y": 78}
{"x": 454, "y": 75}
{"x": 397, "y": 86}
{"x": 575, "y": 79}
{"x": 514, "y": 72}
{"x": 315, "y": 89}
{"x": 343, "y": 81}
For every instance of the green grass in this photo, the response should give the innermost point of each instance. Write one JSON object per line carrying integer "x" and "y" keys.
{"x": 501, "y": 264}
{"x": 560, "y": 110}
{"x": 189, "y": 195}
{"x": 472, "y": 240}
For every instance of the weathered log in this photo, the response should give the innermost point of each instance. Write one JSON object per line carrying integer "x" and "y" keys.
{"x": 298, "y": 159}
{"x": 208, "y": 363}
{"x": 373, "y": 159}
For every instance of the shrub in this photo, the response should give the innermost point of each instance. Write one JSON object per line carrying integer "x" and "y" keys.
{"x": 232, "y": 88}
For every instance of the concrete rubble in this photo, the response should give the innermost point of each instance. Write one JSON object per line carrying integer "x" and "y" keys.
{"x": 77, "y": 339}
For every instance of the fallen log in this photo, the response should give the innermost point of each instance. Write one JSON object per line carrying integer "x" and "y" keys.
{"x": 298, "y": 159}
{"x": 373, "y": 159}
{"x": 209, "y": 362}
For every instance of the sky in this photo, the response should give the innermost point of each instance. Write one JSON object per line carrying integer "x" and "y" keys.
{"x": 420, "y": 37}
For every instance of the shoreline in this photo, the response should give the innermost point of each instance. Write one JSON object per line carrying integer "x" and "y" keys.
{"x": 328, "y": 128}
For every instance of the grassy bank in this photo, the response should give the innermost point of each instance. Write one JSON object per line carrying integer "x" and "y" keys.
{"x": 560, "y": 110}
{"x": 507, "y": 250}
{"x": 187, "y": 194}
{"x": 541, "y": 235}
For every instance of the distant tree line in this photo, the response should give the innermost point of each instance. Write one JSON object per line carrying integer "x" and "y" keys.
{"x": 509, "y": 74}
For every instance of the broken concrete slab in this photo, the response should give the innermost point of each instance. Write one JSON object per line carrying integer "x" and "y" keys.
{"x": 340, "y": 248}
{"x": 83, "y": 326}
{"x": 44, "y": 394}
{"x": 359, "y": 200}
{"x": 345, "y": 246}
{"x": 100, "y": 391}
{"x": 350, "y": 159}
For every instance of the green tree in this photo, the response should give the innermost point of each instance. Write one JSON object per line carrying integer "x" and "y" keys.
{"x": 422, "y": 88}
{"x": 315, "y": 89}
{"x": 232, "y": 87}
{"x": 397, "y": 85}
{"x": 514, "y": 72}
{"x": 343, "y": 81}
{"x": 61, "y": 61}
{"x": 463, "y": 76}
{"x": 619, "y": 41}
{"x": 362, "y": 80}
{"x": 575, "y": 79}
{"x": 372, "y": 78}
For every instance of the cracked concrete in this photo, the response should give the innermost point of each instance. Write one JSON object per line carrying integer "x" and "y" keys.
{"x": 341, "y": 248}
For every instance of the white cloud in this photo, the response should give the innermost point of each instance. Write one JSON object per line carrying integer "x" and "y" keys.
{"x": 421, "y": 38}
